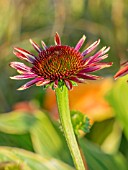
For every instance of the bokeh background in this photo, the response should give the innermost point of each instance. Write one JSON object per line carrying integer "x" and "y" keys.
{"x": 104, "y": 102}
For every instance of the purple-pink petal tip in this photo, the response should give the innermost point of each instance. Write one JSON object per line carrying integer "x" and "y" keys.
{"x": 37, "y": 48}
{"x": 80, "y": 43}
{"x": 24, "y": 55}
{"x": 122, "y": 72}
{"x": 57, "y": 39}
{"x": 91, "y": 47}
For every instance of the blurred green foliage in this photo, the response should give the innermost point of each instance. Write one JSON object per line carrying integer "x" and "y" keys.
{"x": 47, "y": 142}
{"x": 39, "y": 20}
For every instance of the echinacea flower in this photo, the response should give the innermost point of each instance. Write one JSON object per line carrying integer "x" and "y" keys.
{"x": 122, "y": 71}
{"x": 59, "y": 64}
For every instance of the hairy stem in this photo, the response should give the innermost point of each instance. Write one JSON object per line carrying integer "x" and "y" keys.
{"x": 65, "y": 119}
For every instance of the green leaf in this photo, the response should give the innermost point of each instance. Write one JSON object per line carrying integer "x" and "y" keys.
{"x": 101, "y": 130}
{"x": 74, "y": 83}
{"x": 45, "y": 139}
{"x": 10, "y": 166}
{"x": 98, "y": 160}
{"x": 29, "y": 161}
{"x": 16, "y": 122}
{"x": 16, "y": 140}
{"x": 118, "y": 98}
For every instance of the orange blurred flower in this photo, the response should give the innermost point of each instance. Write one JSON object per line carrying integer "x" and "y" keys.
{"x": 87, "y": 98}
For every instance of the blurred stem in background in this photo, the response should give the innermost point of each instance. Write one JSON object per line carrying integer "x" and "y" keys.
{"x": 65, "y": 119}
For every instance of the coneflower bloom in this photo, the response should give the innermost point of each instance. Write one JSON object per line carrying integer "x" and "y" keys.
{"x": 59, "y": 64}
{"x": 122, "y": 71}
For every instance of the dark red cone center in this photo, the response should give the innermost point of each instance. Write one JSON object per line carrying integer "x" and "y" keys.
{"x": 58, "y": 62}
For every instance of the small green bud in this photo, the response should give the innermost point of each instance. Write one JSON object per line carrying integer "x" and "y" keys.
{"x": 80, "y": 122}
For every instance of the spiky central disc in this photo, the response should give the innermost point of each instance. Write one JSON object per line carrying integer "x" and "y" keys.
{"x": 58, "y": 62}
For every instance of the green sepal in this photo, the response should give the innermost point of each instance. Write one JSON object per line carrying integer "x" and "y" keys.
{"x": 74, "y": 83}
{"x": 60, "y": 83}
{"x": 48, "y": 85}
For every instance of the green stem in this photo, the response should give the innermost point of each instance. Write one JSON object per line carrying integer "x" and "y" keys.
{"x": 64, "y": 112}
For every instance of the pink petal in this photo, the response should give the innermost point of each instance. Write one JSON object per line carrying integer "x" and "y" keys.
{"x": 42, "y": 82}
{"x": 122, "y": 72}
{"x": 95, "y": 67}
{"x": 23, "y": 76}
{"x": 80, "y": 43}
{"x": 100, "y": 53}
{"x": 36, "y": 46}
{"x": 87, "y": 76}
{"x": 56, "y": 84}
{"x": 100, "y": 58}
{"x": 89, "y": 69}
{"x": 68, "y": 84}
{"x": 44, "y": 45}
{"x": 104, "y": 65}
{"x": 90, "y": 48}
{"x": 24, "y": 55}
{"x": 20, "y": 67}
{"x": 30, "y": 83}
{"x": 57, "y": 39}
{"x": 95, "y": 58}
{"x": 76, "y": 79}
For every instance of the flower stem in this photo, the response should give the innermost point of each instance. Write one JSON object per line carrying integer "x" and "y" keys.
{"x": 65, "y": 119}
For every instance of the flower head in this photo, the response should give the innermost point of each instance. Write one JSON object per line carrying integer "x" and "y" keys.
{"x": 59, "y": 64}
{"x": 122, "y": 71}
